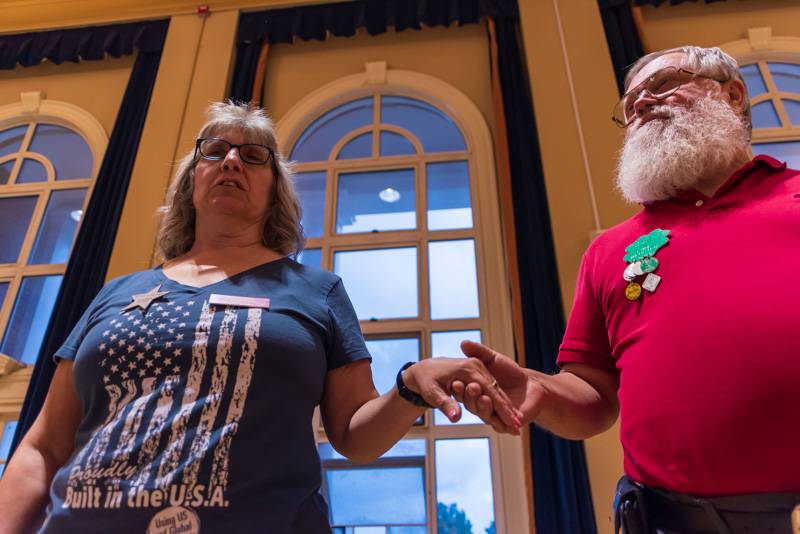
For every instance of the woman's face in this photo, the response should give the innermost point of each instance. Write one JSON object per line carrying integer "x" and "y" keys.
{"x": 230, "y": 186}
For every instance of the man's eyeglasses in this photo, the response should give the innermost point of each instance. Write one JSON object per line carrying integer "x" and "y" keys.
{"x": 214, "y": 148}
{"x": 660, "y": 85}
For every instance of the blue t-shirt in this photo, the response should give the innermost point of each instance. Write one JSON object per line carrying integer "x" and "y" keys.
{"x": 196, "y": 417}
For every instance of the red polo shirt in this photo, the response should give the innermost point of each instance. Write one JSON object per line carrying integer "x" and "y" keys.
{"x": 709, "y": 363}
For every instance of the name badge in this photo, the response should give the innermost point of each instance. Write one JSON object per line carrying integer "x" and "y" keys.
{"x": 235, "y": 300}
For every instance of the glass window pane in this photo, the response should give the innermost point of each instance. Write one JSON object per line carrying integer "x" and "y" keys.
{"x": 792, "y": 108}
{"x": 765, "y": 116}
{"x": 786, "y": 76}
{"x": 66, "y": 150}
{"x": 58, "y": 227}
{"x": 5, "y": 442}
{"x": 5, "y": 171}
{"x": 11, "y": 139}
{"x": 448, "y": 344}
{"x": 449, "y": 204}
{"x": 310, "y": 187}
{"x": 376, "y": 201}
{"x": 15, "y": 217}
{"x": 377, "y": 496}
{"x": 382, "y": 283}
{"x": 3, "y": 291}
{"x": 360, "y": 147}
{"x": 29, "y": 319}
{"x": 31, "y": 171}
{"x": 753, "y": 80}
{"x": 311, "y": 257}
{"x": 788, "y": 151}
{"x": 436, "y": 131}
{"x": 453, "y": 279}
{"x": 393, "y": 144}
{"x": 388, "y": 356}
{"x": 464, "y": 494}
{"x": 317, "y": 141}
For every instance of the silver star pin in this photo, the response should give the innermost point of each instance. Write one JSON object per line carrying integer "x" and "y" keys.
{"x": 144, "y": 300}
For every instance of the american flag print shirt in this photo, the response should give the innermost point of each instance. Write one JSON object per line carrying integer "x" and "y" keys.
{"x": 197, "y": 417}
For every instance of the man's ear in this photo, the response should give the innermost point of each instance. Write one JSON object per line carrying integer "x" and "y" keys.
{"x": 735, "y": 92}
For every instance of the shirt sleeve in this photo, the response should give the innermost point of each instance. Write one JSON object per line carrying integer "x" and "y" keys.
{"x": 345, "y": 341}
{"x": 69, "y": 349}
{"x": 586, "y": 337}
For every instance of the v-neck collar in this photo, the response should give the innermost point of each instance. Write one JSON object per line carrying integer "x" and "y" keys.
{"x": 164, "y": 279}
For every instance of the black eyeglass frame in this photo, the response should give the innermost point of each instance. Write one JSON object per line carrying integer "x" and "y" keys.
{"x": 639, "y": 87}
{"x": 201, "y": 140}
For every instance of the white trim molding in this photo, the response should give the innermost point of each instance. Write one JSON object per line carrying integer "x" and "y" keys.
{"x": 760, "y": 44}
{"x": 33, "y": 106}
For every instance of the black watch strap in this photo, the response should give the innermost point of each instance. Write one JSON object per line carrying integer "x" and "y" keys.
{"x": 414, "y": 398}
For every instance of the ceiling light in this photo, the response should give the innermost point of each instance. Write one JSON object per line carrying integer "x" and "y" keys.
{"x": 389, "y": 195}
{"x": 76, "y": 215}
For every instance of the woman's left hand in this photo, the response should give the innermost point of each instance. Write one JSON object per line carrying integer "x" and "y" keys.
{"x": 431, "y": 378}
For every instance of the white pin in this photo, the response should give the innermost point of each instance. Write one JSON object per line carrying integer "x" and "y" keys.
{"x": 236, "y": 300}
{"x": 632, "y": 271}
{"x": 651, "y": 282}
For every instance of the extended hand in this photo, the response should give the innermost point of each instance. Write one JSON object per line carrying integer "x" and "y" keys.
{"x": 432, "y": 378}
{"x": 524, "y": 392}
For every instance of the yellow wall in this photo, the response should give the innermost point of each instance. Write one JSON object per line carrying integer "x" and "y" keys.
{"x": 717, "y": 23}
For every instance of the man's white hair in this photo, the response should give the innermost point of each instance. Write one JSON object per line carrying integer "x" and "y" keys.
{"x": 711, "y": 62}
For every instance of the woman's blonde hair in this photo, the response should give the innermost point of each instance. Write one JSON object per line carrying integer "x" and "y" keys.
{"x": 282, "y": 229}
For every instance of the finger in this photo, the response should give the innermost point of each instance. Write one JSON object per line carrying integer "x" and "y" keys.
{"x": 472, "y": 393}
{"x": 479, "y": 351}
{"x": 501, "y": 428}
{"x": 485, "y": 408}
{"x": 457, "y": 389}
{"x": 502, "y": 404}
{"x": 437, "y": 398}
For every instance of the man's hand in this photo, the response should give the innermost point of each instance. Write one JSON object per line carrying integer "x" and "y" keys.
{"x": 432, "y": 378}
{"x": 523, "y": 390}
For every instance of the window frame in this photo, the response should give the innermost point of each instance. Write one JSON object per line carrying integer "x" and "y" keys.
{"x": 33, "y": 109}
{"x": 507, "y": 454}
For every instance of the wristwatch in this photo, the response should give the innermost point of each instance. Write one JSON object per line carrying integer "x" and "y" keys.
{"x": 412, "y": 397}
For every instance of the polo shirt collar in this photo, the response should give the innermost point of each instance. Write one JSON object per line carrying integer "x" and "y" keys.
{"x": 690, "y": 196}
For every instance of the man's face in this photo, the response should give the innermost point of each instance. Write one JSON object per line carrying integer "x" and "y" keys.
{"x": 675, "y": 142}
{"x": 645, "y": 107}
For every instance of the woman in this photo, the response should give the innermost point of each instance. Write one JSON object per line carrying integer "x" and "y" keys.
{"x": 183, "y": 399}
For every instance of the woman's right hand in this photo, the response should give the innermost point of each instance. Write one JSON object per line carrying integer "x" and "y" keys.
{"x": 432, "y": 378}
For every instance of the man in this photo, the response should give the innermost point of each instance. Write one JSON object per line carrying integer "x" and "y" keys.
{"x": 685, "y": 318}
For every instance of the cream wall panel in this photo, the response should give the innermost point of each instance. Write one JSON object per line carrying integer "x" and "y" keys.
{"x": 713, "y": 24}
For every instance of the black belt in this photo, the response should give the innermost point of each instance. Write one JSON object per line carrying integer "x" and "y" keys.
{"x": 644, "y": 510}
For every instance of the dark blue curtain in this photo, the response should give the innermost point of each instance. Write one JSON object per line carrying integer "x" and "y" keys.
{"x": 562, "y": 497}
{"x": 88, "y": 263}
{"x": 622, "y": 37}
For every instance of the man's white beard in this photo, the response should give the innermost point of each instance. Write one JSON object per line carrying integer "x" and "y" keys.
{"x": 675, "y": 153}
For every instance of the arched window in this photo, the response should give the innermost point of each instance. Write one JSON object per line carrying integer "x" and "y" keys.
{"x": 48, "y": 160}
{"x": 388, "y": 180}
{"x": 770, "y": 66}
{"x": 774, "y": 88}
